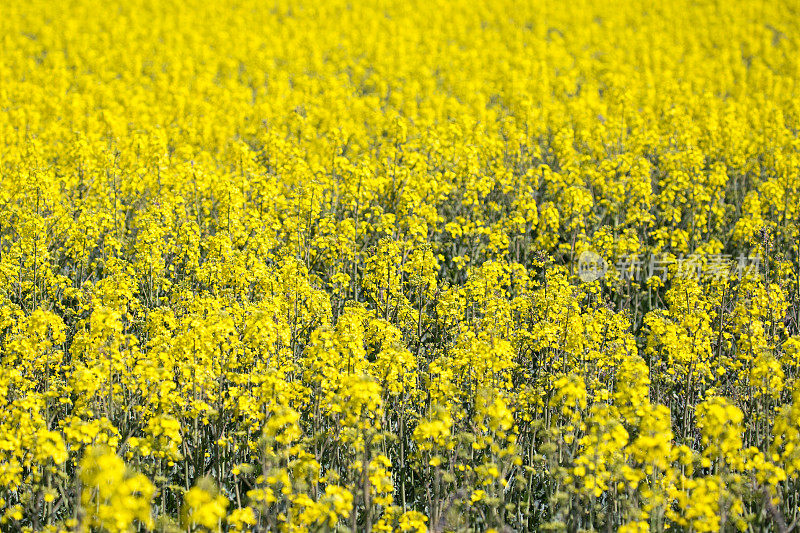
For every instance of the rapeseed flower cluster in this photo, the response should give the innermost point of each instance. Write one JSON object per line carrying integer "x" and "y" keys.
{"x": 316, "y": 266}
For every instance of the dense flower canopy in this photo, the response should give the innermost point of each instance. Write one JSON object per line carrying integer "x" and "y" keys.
{"x": 313, "y": 266}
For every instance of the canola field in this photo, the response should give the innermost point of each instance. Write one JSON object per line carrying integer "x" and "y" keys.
{"x": 349, "y": 265}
